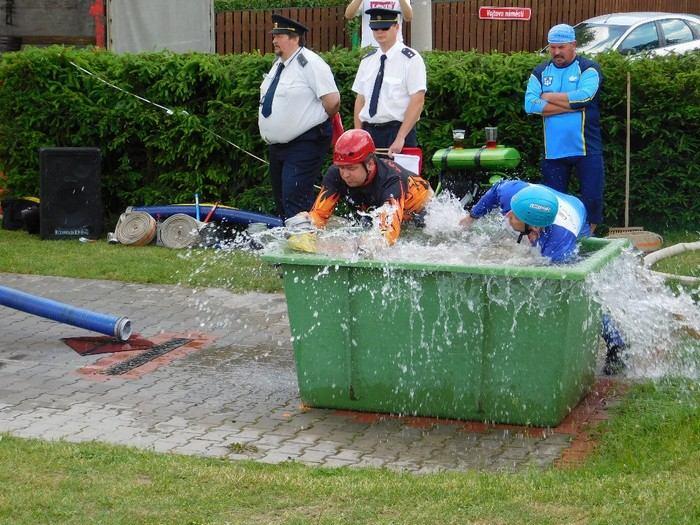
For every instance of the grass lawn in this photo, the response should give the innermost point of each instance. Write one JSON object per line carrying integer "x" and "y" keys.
{"x": 644, "y": 472}
{"x": 687, "y": 263}
{"x": 235, "y": 270}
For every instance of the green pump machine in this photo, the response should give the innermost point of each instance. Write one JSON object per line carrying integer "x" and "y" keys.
{"x": 468, "y": 172}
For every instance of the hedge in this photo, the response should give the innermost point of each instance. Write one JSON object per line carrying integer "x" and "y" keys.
{"x": 151, "y": 157}
{"x": 233, "y": 5}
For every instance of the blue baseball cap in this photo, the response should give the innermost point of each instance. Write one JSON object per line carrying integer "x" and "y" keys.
{"x": 561, "y": 34}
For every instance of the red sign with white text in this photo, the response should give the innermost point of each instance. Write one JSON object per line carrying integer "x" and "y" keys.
{"x": 504, "y": 13}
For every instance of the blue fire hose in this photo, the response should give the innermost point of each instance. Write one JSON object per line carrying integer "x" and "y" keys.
{"x": 220, "y": 213}
{"x": 119, "y": 327}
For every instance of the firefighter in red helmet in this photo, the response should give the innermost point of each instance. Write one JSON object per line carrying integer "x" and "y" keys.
{"x": 367, "y": 182}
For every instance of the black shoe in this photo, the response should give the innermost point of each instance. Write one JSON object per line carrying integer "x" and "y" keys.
{"x": 613, "y": 361}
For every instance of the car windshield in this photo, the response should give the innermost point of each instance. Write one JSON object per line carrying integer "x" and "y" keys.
{"x": 597, "y": 37}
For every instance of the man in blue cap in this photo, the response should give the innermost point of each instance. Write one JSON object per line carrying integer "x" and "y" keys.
{"x": 553, "y": 222}
{"x": 565, "y": 91}
{"x": 298, "y": 97}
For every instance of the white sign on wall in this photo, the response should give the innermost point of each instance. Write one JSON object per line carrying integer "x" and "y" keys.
{"x": 505, "y": 13}
{"x": 177, "y": 25}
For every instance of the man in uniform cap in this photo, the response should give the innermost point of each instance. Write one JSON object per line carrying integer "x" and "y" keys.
{"x": 390, "y": 86}
{"x": 566, "y": 91}
{"x": 297, "y": 99}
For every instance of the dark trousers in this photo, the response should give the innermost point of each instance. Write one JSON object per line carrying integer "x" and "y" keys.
{"x": 295, "y": 167}
{"x": 590, "y": 171}
{"x": 384, "y": 135}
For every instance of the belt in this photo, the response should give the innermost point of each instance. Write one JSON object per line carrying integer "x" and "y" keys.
{"x": 381, "y": 124}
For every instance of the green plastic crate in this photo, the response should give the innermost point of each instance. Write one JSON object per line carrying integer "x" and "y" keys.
{"x": 490, "y": 343}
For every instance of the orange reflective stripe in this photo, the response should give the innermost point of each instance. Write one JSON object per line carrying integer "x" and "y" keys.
{"x": 418, "y": 195}
{"x": 390, "y": 225}
{"x": 323, "y": 207}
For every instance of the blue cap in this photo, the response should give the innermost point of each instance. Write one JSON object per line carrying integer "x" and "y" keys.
{"x": 535, "y": 205}
{"x": 561, "y": 34}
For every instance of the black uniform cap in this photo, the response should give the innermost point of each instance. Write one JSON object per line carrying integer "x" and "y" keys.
{"x": 281, "y": 25}
{"x": 380, "y": 18}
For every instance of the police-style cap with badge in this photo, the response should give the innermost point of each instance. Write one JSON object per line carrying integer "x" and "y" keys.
{"x": 380, "y": 18}
{"x": 281, "y": 25}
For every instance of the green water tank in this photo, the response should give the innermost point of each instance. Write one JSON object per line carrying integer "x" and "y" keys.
{"x": 491, "y": 343}
{"x": 498, "y": 158}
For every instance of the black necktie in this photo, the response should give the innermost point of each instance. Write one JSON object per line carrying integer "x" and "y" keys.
{"x": 267, "y": 101}
{"x": 377, "y": 87}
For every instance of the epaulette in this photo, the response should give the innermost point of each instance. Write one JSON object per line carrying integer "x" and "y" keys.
{"x": 302, "y": 60}
{"x": 369, "y": 53}
{"x": 410, "y": 53}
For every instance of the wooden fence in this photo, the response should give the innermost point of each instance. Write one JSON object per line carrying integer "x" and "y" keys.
{"x": 244, "y": 31}
{"x": 456, "y": 24}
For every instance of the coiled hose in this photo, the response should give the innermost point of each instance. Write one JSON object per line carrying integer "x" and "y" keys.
{"x": 135, "y": 228}
{"x": 179, "y": 231}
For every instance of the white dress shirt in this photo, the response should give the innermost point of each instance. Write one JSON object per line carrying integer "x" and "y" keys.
{"x": 404, "y": 75}
{"x": 296, "y": 106}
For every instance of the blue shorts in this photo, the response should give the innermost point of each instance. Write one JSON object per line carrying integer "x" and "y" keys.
{"x": 590, "y": 172}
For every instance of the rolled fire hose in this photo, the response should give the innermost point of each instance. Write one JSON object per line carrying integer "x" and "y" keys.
{"x": 179, "y": 231}
{"x": 119, "y": 327}
{"x": 135, "y": 228}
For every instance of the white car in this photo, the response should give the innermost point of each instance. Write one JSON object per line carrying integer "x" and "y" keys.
{"x": 644, "y": 32}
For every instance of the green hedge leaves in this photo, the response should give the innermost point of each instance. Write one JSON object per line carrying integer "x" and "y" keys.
{"x": 233, "y": 5}
{"x": 151, "y": 157}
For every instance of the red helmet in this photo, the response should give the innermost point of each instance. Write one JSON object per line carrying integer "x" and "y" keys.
{"x": 353, "y": 147}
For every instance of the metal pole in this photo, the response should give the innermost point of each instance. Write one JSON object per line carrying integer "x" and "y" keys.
{"x": 422, "y": 25}
{"x": 627, "y": 152}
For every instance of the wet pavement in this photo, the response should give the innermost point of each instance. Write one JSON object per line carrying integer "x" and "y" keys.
{"x": 230, "y": 391}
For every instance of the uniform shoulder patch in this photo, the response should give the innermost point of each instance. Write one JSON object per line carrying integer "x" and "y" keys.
{"x": 410, "y": 53}
{"x": 370, "y": 53}
{"x": 302, "y": 60}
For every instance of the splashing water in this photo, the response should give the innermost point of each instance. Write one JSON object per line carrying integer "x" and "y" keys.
{"x": 661, "y": 329}
{"x": 441, "y": 241}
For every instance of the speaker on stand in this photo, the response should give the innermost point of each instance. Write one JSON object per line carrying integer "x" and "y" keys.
{"x": 71, "y": 200}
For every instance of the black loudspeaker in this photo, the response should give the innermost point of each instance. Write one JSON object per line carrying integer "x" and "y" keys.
{"x": 71, "y": 200}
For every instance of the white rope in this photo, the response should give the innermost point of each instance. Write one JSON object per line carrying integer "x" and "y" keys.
{"x": 167, "y": 110}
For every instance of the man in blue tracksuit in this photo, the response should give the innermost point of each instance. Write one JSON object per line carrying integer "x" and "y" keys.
{"x": 565, "y": 91}
{"x": 552, "y": 221}
{"x": 560, "y": 220}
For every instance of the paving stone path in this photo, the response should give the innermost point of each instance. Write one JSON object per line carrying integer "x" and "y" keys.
{"x": 231, "y": 392}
